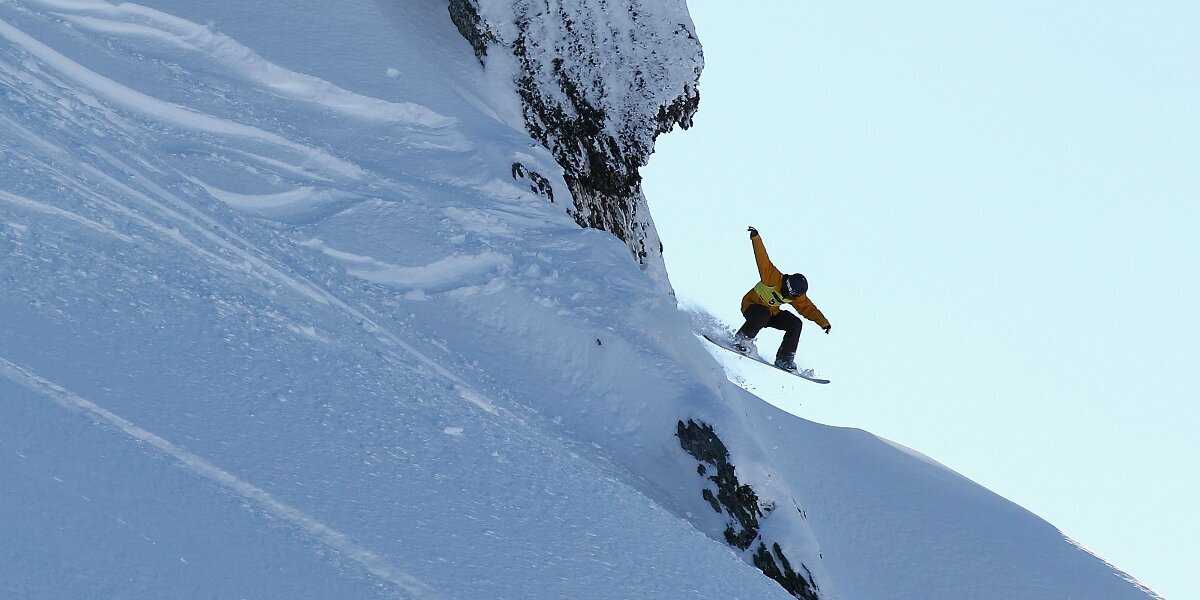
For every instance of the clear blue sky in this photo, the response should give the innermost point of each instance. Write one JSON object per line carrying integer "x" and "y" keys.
{"x": 997, "y": 206}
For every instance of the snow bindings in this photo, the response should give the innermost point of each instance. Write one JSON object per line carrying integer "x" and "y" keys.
{"x": 743, "y": 345}
{"x": 786, "y": 361}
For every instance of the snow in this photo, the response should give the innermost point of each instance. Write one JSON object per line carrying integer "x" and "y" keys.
{"x": 447, "y": 273}
{"x": 333, "y": 539}
{"x": 278, "y": 323}
{"x": 169, "y": 114}
{"x": 302, "y": 204}
{"x": 47, "y": 209}
{"x": 136, "y": 21}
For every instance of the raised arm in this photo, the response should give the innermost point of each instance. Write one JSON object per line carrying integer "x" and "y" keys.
{"x": 767, "y": 273}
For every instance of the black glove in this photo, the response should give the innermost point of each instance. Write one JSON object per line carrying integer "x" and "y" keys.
{"x": 753, "y": 231}
{"x": 827, "y": 328}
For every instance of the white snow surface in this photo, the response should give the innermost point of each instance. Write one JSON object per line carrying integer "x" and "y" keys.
{"x": 277, "y": 323}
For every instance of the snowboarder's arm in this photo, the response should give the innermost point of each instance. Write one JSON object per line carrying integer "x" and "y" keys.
{"x": 767, "y": 273}
{"x": 808, "y": 310}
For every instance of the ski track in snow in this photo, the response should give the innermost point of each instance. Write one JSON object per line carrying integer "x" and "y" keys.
{"x": 143, "y": 22}
{"x": 305, "y": 288}
{"x": 333, "y": 539}
{"x": 250, "y": 262}
{"x": 43, "y": 208}
{"x": 171, "y": 114}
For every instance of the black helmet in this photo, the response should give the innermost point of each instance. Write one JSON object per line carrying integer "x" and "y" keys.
{"x": 795, "y": 285}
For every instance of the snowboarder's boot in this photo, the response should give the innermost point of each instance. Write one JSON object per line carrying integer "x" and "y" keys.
{"x": 742, "y": 344}
{"x": 786, "y": 361}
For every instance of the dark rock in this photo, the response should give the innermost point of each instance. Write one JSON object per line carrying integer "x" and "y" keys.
{"x": 741, "y": 503}
{"x": 465, "y": 16}
{"x": 783, "y": 573}
{"x": 537, "y": 183}
{"x": 604, "y": 181}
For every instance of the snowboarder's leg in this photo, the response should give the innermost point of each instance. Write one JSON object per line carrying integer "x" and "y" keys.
{"x": 791, "y": 326}
{"x": 757, "y": 317}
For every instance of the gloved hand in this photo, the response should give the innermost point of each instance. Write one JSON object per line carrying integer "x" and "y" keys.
{"x": 753, "y": 231}
{"x": 827, "y": 328}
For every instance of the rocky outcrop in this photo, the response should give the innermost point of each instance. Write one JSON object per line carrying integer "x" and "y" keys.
{"x": 782, "y": 573}
{"x": 599, "y": 81}
{"x": 743, "y": 508}
{"x": 538, "y": 184}
{"x": 465, "y": 15}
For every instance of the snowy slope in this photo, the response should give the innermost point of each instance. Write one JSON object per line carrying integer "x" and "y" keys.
{"x": 279, "y": 320}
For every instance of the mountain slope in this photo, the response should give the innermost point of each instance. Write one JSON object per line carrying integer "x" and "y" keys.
{"x": 281, "y": 319}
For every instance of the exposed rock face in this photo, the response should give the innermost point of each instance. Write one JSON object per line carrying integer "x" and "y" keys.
{"x": 537, "y": 183}
{"x": 742, "y": 505}
{"x": 465, "y": 15}
{"x": 599, "y": 80}
{"x": 800, "y": 587}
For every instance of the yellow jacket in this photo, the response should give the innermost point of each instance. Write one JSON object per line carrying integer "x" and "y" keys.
{"x": 767, "y": 293}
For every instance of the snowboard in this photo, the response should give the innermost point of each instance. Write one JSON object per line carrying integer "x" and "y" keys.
{"x": 728, "y": 346}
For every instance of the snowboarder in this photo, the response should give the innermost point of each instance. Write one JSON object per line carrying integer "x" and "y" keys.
{"x": 762, "y": 307}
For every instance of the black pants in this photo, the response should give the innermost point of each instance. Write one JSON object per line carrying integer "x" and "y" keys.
{"x": 757, "y": 317}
